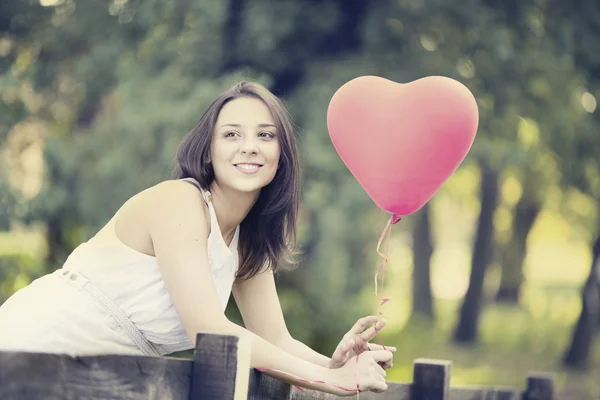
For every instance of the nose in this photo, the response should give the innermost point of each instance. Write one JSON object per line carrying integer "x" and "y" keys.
{"x": 249, "y": 145}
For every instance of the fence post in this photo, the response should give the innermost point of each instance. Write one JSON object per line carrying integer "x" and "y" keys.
{"x": 431, "y": 380}
{"x": 221, "y": 367}
{"x": 540, "y": 387}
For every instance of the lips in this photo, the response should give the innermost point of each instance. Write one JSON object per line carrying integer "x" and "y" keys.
{"x": 248, "y": 165}
{"x": 248, "y": 168}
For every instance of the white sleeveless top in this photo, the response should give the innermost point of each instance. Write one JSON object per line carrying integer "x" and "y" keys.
{"x": 52, "y": 315}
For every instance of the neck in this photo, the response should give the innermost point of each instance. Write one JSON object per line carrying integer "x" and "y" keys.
{"x": 231, "y": 207}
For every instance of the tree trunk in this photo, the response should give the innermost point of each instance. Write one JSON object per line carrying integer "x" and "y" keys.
{"x": 231, "y": 32}
{"x": 55, "y": 239}
{"x": 513, "y": 255}
{"x": 577, "y": 356}
{"x": 60, "y": 223}
{"x": 422, "y": 251}
{"x": 466, "y": 330}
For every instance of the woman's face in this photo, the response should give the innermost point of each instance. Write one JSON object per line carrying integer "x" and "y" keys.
{"x": 245, "y": 148}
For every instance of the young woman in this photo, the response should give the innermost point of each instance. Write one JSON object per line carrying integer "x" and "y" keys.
{"x": 164, "y": 266}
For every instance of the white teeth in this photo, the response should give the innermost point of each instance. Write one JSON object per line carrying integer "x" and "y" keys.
{"x": 248, "y": 166}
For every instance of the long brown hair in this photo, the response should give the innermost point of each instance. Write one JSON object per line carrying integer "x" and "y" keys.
{"x": 268, "y": 233}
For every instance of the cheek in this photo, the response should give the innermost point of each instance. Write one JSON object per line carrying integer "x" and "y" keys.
{"x": 276, "y": 154}
{"x": 220, "y": 153}
{"x": 277, "y": 158}
{"x": 212, "y": 152}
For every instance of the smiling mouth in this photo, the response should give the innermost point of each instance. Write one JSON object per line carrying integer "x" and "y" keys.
{"x": 248, "y": 166}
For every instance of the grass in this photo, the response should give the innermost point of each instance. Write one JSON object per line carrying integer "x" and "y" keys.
{"x": 513, "y": 343}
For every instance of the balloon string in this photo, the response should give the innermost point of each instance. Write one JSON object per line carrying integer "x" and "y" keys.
{"x": 382, "y": 300}
{"x": 386, "y": 233}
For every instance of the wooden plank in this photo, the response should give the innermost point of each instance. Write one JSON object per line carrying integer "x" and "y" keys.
{"x": 32, "y": 376}
{"x": 262, "y": 386}
{"x": 485, "y": 393}
{"x": 221, "y": 367}
{"x": 396, "y": 391}
{"x": 539, "y": 387}
{"x": 297, "y": 394}
{"x": 431, "y": 380}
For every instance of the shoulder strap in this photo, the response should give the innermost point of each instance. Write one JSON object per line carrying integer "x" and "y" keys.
{"x": 206, "y": 195}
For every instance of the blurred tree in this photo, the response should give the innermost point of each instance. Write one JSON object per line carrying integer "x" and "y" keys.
{"x": 513, "y": 252}
{"x": 549, "y": 135}
{"x": 9, "y": 200}
{"x": 579, "y": 350}
{"x": 524, "y": 75}
{"x": 54, "y": 71}
{"x": 86, "y": 65}
{"x": 282, "y": 38}
{"x": 479, "y": 45}
{"x": 466, "y": 330}
{"x": 577, "y": 28}
{"x": 422, "y": 253}
{"x": 16, "y": 270}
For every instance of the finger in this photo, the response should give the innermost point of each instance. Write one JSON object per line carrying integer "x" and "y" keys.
{"x": 377, "y": 386}
{"x": 363, "y": 323}
{"x": 377, "y": 376}
{"x": 379, "y": 371}
{"x": 375, "y": 346}
{"x": 361, "y": 346}
{"x": 380, "y": 355}
{"x": 386, "y": 365}
{"x": 348, "y": 346}
{"x": 343, "y": 349}
{"x": 345, "y": 344}
{"x": 372, "y": 331}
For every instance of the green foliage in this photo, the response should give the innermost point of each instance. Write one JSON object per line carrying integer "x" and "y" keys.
{"x": 17, "y": 271}
{"x": 515, "y": 342}
{"x": 8, "y": 203}
{"x": 118, "y": 84}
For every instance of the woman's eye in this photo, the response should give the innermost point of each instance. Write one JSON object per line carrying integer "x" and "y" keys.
{"x": 230, "y": 134}
{"x": 266, "y": 135}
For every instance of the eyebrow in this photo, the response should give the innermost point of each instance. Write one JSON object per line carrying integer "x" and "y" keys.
{"x": 260, "y": 125}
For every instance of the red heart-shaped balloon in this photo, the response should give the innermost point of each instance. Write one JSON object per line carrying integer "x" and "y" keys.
{"x": 402, "y": 141}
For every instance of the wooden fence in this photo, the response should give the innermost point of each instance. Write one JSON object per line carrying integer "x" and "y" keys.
{"x": 216, "y": 372}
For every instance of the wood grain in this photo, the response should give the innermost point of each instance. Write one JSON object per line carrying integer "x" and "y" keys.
{"x": 32, "y": 376}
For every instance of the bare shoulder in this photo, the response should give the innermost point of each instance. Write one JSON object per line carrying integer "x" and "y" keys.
{"x": 177, "y": 221}
{"x": 174, "y": 200}
{"x": 157, "y": 209}
{"x": 173, "y": 190}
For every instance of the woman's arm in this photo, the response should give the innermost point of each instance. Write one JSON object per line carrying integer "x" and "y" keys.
{"x": 259, "y": 305}
{"x": 301, "y": 350}
{"x": 265, "y": 355}
{"x": 177, "y": 224}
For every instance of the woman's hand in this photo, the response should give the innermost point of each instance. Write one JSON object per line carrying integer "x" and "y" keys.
{"x": 356, "y": 341}
{"x": 366, "y": 372}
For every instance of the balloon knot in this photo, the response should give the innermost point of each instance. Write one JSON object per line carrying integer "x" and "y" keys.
{"x": 396, "y": 218}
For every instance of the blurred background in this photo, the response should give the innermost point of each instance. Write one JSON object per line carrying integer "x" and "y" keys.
{"x": 496, "y": 273}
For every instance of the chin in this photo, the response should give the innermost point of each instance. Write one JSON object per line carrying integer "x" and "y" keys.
{"x": 247, "y": 187}
{"x": 244, "y": 184}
